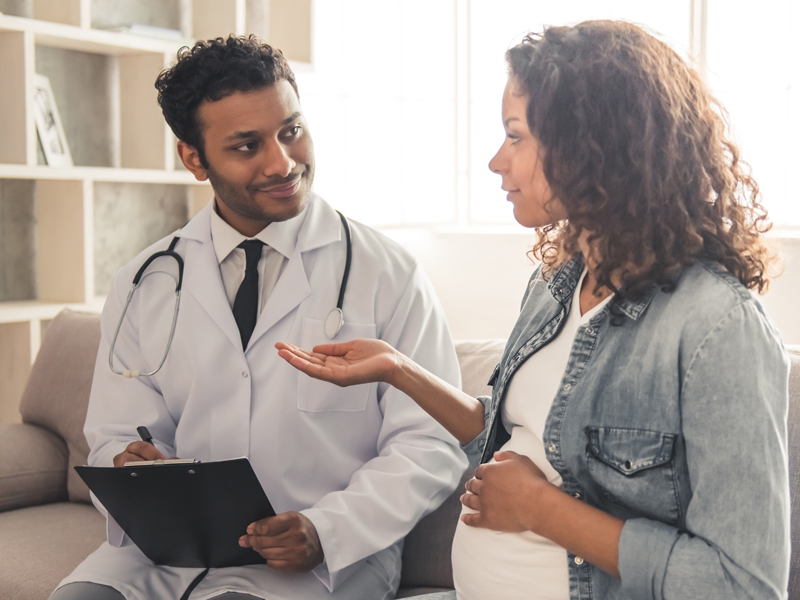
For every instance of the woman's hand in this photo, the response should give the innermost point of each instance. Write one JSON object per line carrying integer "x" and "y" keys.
{"x": 350, "y": 363}
{"x": 506, "y": 494}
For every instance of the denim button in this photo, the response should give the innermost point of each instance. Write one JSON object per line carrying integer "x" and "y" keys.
{"x": 578, "y": 560}
{"x": 567, "y": 387}
{"x": 589, "y": 330}
{"x": 577, "y": 495}
{"x": 552, "y": 447}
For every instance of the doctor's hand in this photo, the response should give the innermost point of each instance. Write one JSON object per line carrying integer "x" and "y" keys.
{"x": 137, "y": 451}
{"x": 350, "y": 363}
{"x": 288, "y": 541}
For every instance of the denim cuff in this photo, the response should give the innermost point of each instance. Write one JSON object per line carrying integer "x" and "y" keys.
{"x": 474, "y": 449}
{"x": 644, "y": 550}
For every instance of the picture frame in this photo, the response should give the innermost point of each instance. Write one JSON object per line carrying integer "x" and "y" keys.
{"x": 48, "y": 124}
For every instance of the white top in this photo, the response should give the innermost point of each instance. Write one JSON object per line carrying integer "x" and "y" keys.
{"x": 279, "y": 241}
{"x": 517, "y": 566}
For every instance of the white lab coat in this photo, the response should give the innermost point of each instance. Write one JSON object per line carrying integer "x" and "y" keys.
{"x": 364, "y": 464}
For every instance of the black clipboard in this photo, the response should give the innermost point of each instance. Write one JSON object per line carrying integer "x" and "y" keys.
{"x": 184, "y": 515}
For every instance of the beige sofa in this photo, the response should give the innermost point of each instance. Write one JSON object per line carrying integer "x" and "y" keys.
{"x": 47, "y": 525}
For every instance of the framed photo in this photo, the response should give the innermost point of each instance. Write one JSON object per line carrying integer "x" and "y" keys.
{"x": 48, "y": 124}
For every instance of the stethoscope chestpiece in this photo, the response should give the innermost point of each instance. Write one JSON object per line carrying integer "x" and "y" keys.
{"x": 334, "y": 322}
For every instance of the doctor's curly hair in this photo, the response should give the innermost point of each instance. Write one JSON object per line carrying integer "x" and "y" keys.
{"x": 211, "y": 70}
{"x": 638, "y": 152}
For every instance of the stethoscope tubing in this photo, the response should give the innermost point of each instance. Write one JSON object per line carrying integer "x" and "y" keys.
{"x": 335, "y": 317}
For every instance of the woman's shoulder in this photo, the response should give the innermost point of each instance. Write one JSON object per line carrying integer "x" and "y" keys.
{"x": 708, "y": 298}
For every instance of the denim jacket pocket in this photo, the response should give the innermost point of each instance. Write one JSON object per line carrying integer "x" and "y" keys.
{"x": 634, "y": 468}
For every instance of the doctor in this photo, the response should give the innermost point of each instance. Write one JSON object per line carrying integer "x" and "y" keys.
{"x": 348, "y": 470}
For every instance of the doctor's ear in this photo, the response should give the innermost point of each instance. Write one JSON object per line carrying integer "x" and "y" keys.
{"x": 190, "y": 157}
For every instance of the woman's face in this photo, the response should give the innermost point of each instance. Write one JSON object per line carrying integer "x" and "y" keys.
{"x": 519, "y": 162}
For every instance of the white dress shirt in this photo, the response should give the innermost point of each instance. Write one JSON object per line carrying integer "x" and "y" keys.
{"x": 279, "y": 241}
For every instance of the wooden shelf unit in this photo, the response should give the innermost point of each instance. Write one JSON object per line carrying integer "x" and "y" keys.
{"x": 144, "y": 147}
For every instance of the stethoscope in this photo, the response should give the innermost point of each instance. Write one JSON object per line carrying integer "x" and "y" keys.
{"x": 333, "y": 322}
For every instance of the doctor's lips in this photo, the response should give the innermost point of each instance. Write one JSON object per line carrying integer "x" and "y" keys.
{"x": 282, "y": 190}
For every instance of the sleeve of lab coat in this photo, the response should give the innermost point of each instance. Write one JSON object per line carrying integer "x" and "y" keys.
{"x": 418, "y": 464}
{"x": 117, "y": 406}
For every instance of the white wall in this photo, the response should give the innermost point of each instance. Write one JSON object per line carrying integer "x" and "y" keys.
{"x": 480, "y": 279}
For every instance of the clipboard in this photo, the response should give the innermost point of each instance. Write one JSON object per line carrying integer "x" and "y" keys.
{"x": 184, "y": 515}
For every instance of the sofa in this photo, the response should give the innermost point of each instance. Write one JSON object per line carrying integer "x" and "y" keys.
{"x": 48, "y": 525}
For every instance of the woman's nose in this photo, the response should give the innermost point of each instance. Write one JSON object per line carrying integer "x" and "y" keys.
{"x": 496, "y": 164}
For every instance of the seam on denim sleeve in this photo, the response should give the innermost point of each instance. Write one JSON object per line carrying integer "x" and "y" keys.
{"x": 711, "y": 333}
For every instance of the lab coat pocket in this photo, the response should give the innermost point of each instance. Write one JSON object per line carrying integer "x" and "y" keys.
{"x": 314, "y": 395}
{"x": 634, "y": 468}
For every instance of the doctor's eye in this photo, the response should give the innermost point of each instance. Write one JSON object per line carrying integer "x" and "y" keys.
{"x": 246, "y": 147}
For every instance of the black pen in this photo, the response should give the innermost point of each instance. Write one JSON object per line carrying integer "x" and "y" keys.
{"x": 145, "y": 435}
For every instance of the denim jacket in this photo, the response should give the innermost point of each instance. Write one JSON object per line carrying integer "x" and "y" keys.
{"x": 671, "y": 415}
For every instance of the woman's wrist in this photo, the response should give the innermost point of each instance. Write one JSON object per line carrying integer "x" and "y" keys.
{"x": 545, "y": 497}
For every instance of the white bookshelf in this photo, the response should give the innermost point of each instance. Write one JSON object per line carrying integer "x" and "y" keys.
{"x": 143, "y": 147}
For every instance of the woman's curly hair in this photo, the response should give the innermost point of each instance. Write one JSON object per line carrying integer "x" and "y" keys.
{"x": 637, "y": 151}
{"x": 211, "y": 70}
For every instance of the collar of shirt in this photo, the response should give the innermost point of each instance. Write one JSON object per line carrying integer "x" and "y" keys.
{"x": 280, "y": 235}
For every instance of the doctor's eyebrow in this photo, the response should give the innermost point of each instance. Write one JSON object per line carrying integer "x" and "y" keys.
{"x": 253, "y": 132}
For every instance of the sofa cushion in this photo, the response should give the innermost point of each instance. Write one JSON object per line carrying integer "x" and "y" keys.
{"x": 41, "y": 545}
{"x": 426, "y": 554}
{"x": 794, "y": 471}
{"x": 33, "y": 469}
{"x": 56, "y": 395}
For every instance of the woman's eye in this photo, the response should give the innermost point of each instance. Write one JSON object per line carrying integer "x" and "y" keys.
{"x": 292, "y": 131}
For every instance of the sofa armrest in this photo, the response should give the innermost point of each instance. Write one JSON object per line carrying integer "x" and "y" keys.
{"x": 33, "y": 469}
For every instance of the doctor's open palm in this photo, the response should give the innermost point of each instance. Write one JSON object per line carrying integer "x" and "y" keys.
{"x": 345, "y": 364}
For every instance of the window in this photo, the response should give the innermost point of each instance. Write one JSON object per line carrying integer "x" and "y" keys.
{"x": 404, "y": 97}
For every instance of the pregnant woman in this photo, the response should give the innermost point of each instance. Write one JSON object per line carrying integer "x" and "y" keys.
{"x": 635, "y": 442}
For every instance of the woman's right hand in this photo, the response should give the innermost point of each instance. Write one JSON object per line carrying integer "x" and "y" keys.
{"x": 350, "y": 363}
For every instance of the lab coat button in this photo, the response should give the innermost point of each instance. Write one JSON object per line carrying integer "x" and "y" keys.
{"x": 245, "y": 375}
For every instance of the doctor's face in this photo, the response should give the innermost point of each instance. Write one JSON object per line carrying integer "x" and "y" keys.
{"x": 260, "y": 156}
{"x": 519, "y": 162}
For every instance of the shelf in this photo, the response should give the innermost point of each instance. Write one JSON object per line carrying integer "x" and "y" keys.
{"x": 98, "y": 174}
{"x": 83, "y": 39}
{"x": 18, "y": 312}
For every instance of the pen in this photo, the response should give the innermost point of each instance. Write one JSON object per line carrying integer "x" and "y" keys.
{"x": 145, "y": 435}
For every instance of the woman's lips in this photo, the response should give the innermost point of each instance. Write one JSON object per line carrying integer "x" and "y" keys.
{"x": 285, "y": 190}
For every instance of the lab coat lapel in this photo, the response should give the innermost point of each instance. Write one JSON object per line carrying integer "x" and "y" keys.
{"x": 202, "y": 276}
{"x": 320, "y": 227}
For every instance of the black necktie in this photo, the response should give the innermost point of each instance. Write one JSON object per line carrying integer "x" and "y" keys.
{"x": 245, "y": 307}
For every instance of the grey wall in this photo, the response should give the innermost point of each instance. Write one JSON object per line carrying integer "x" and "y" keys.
{"x": 17, "y": 8}
{"x": 127, "y": 219}
{"x": 17, "y": 240}
{"x": 82, "y": 90}
{"x": 157, "y": 13}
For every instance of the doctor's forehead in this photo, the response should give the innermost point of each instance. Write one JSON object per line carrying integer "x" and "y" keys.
{"x": 274, "y": 106}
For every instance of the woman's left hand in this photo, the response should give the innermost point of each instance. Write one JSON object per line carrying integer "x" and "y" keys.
{"x": 506, "y": 494}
